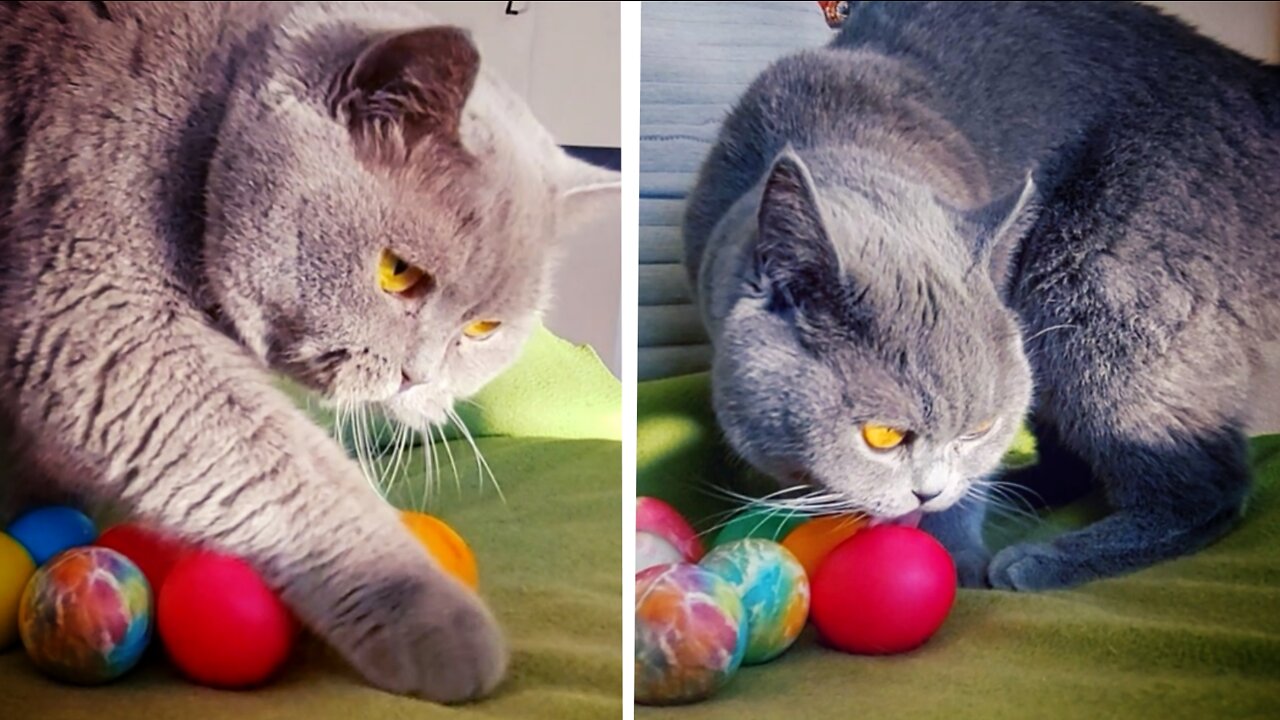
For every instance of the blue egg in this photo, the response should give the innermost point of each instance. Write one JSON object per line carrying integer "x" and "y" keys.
{"x": 47, "y": 531}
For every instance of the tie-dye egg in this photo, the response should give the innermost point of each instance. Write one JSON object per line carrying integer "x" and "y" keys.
{"x": 690, "y": 634}
{"x": 653, "y": 550}
{"x": 774, "y": 591}
{"x": 85, "y": 616}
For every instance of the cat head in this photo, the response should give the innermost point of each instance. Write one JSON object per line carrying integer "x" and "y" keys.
{"x": 383, "y": 217}
{"x": 867, "y": 353}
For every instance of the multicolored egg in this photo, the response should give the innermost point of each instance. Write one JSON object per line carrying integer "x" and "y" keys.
{"x": 659, "y": 518}
{"x": 85, "y": 616}
{"x": 652, "y": 550}
{"x": 691, "y": 632}
{"x": 774, "y": 591}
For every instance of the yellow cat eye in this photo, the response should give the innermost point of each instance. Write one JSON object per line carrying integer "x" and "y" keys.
{"x": 481, "y": 329}
{"x": 882, "y": 437}
{"x": 397, "y": 276}
{"x": 979, "y": 430}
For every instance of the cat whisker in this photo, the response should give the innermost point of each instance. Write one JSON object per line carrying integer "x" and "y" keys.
{"x": 404, "y": 439}
{"x": 817, "y": 501}
{"x": 351, "y": 429}
{"x": 480, "y": 461}
{"x": 428, "y": 469}
{"x": 999, "y": 501}
{"x": 1051, "y": 328}
{"x": 457, "y": 479}
{"x": 435, "y": 461}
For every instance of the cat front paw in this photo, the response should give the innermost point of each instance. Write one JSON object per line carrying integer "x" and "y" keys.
{"x": 440, "y": 644}
{"x": 1028, "y": 567}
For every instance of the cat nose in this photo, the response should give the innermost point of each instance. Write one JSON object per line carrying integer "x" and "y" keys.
{"x": 406, "y": 382}
{"x": 925, "y": 497}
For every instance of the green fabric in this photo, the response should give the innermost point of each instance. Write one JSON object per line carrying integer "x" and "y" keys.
{"x": 556, "y": 389}
{"x": 1197, "y": 637}
{"x": 549, "y": 565}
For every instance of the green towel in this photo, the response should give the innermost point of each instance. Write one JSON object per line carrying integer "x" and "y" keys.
{"x": 1197, "y": 637}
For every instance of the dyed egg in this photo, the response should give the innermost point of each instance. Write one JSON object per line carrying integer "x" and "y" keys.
{"x": 885, "y": 590}
{"x": 691, "y": 632}
{"x": 85, "y": 616}
{"x": 16, "y": 569}
{"x": 774, "y": 591}
{"x": 220, "y": 622}
{"x": 815, "y": 539}
{"x": 47, "y": 531}
{"x": 659, "y": 518}
{"x": 153, "y": 551}
{"x": 652, "y": 550}
{"x": 765, "y": 523}
{"x": 445, "y": 545}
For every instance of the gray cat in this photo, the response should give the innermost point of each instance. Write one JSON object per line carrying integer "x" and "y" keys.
{"x": 194, "y": 194}
{"x": 961, "y": 213}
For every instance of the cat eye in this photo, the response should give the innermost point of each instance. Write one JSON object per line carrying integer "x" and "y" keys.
{"x": 481, "y": 329}
{"x": 979, "y": 430}
{"x": 882, "y": 437}
{"x": 397, "y": 276}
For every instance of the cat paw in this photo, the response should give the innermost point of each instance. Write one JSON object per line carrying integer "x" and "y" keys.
{"x": 1027, "y": 567}
{"x": 444, "y": 646}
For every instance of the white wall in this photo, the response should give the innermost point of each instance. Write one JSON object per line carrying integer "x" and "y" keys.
{"x": 1252, "y": 28}
{"x": 563, "y": 57}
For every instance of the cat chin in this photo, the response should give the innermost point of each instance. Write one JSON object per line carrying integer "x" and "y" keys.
{"x": 416, "y": 412}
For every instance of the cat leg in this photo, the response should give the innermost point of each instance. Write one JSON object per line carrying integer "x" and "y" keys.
{"x": 157, "y": 411}
{"x": 959, "y": 529}
{"x": 1058, "y": 477}
{"x": 23, "y": 487}
{"x": 1169, "y": 501}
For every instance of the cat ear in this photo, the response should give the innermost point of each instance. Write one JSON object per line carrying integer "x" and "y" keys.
{"x": 410, "y": 85}
{"x": 793, "y": 251}
{"x": 1001, "y": 225}
{"x": 586, "y": 193}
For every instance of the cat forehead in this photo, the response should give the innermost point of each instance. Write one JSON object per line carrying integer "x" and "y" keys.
{"x": 899, "y": 230}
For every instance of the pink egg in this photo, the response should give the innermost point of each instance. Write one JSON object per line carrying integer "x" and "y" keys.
{"x": 653, "y": 550}
{"x": 657, "y": 517}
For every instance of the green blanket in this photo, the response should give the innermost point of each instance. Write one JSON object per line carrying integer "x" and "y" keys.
{"x": 1197, "y": 637}
{"x": 549, "y": 557}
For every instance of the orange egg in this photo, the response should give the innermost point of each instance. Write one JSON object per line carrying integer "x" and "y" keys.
{"x": 815, "y": 539}
{"x": 446, "y": 546}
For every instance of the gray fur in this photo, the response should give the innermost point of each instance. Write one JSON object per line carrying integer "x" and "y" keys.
{"x": 1075, "y": 197}
{"x": 195, "y": 194}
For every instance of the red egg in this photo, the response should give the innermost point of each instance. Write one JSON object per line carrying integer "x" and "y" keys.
{"x": 221, "y": 624}
{"x": 885, "y": 590}
{"x": 151, "y": 550}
